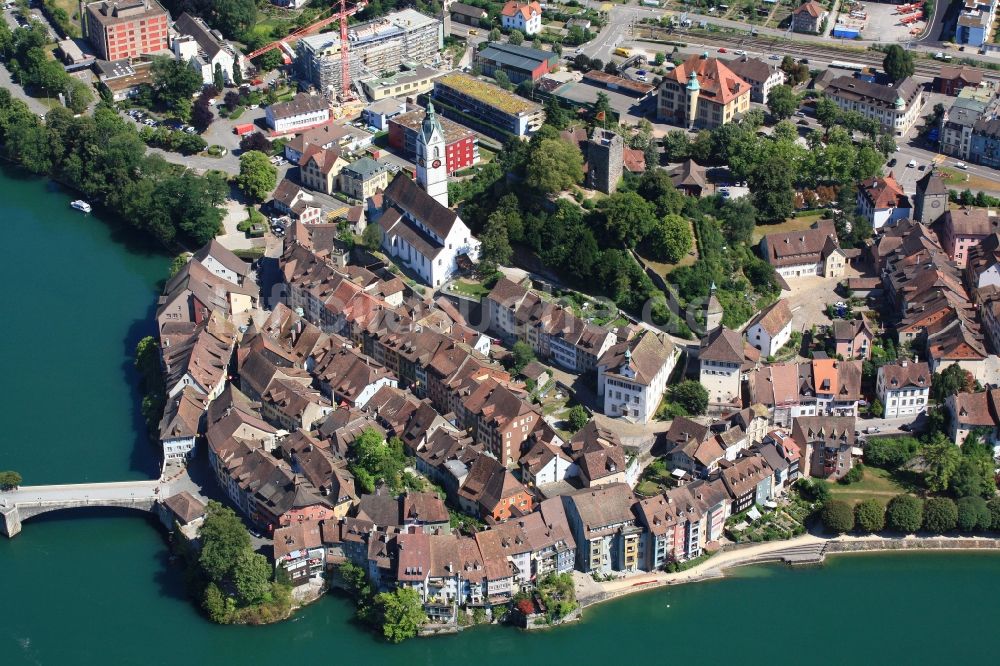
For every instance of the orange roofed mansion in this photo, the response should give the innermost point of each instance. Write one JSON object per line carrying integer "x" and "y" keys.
{"x": 702, "y": 92}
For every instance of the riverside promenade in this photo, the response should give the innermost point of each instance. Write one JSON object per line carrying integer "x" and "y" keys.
{"x": 802, "y": 550}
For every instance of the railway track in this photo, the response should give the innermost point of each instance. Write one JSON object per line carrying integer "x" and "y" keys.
{"x": 780, "y": 45}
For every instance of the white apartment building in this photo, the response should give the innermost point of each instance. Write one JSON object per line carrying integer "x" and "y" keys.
{"x": 632, "y": 376}
{"x": 299, "y": 114}
{"x": 896, "y": 107}
{"x": 903, "y": 388}
{"x": 523, "y": 16}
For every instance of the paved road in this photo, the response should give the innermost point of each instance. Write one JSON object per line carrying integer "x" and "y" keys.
{"x": 18, "y": 92}
{"x": 95, "y": 492}
{"x": 616, "y": 32}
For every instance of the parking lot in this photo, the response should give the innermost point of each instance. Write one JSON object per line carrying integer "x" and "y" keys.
{"x": 884, "y": 23}
{"x": 809, "y": 297}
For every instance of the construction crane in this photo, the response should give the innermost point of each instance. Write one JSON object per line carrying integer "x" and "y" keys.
{"x": 342, "y": 16}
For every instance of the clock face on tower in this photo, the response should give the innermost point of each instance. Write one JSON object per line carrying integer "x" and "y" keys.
{"x": 935, "y": 204}
{"x": 436, "y": 163}
{"x": 423, "y": 162}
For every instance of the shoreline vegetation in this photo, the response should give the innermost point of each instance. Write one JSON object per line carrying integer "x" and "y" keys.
{"x": 102, "y": 158}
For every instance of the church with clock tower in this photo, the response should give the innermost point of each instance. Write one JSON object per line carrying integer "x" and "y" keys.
{"x": 416, "y": 225}
{"x": 432, "y": 170}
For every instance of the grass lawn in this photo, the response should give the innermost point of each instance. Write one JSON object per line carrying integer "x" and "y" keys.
{"x": 486, "y": 155}
{"x": 665, "y": 269}
{"x": 71, "y": 7}
{"x": 797, "y": 223}
{"x": 878, "y": 483}
{"x": 962, "y": 179}
{"x": 473, "y": 289}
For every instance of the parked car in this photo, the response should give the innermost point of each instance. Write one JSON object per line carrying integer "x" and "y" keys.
{"x": 722, "y": 49}
{"x": 871, "y": 430}
{"x": 911, "y": 164}
{"x": 740, "y": 52}
{"x": 775, "y": 56}
{"x": 961, "y": 165}
{"x": 891, "y": 163}
{"x": 906, "y": 427}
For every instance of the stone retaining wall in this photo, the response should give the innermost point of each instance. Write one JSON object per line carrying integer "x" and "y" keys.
{"x": 918, "y": 543}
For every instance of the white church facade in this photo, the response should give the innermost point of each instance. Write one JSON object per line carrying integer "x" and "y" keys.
{"x": 416, "y": 225}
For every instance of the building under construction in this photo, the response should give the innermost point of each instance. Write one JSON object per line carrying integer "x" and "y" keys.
{"x": 377, "y": 48}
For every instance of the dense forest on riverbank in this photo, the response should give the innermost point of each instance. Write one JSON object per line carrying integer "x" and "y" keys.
{"x": 103, "y": 158}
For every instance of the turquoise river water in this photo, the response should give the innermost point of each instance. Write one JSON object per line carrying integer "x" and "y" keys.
{"x": 96, "y": 588}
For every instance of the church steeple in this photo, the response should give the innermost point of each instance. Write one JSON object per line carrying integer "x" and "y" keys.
{"x": 432, "y": 167}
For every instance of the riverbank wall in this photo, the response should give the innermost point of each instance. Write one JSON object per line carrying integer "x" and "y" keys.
{"x": 806, "y": 550}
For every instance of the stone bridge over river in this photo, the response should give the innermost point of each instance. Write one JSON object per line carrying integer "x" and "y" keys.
{"x": 29, "y": 501}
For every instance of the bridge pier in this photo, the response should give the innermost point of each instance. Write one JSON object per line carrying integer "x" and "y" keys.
{"x": 11, "y": 523}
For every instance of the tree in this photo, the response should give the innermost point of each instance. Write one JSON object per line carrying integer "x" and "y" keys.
{"x": 905, "y": 513}
{"x": 400, "y": 613}
{"x": 495, "y": 35}
{"x": 596, "y": 63}
{"x": 174, "y": 82}
{"x": 555, "y": 114}
{"x": 496, "y": 249}
{"x": 891, "y": 452}
{"x": 611, "y": 68}
{"x": 555, "y": 165}
{"x": 201, "y": 114}
{"x": 827, "y": 112}
{"x": 782, "y": 102}
{"x": 9, "y": 479}
{"x": 973, "y": 514}
{"x": 690, "y": 395}
{"x": 372, "y": 236}
{"x": 877, "y": 409}
{"x": 582, "y": 62}
{"x": 974, "y": 475}
{"x": 179, "y": 262}
{"x": 953, "y": 379}
{"x": 214, "y": 604}
{"x": 941, "y": 458}
{"x": 603, "y": 112}
{"x": 940, "y": 515}
{"x": 994, "y": 506}
{"x": 502, "y": 80}
{"x": 870, "y": 515}
{"x": 676, "y": 145}
{"x": 670, "y": 239}
{"x": 577, "y": 417}
{"x": 773, "y": 193}
{"x": 628, "y": 218}
{"x": 269, "y": 60}
{"x": 516, "y": 38}
{"x": 255, "y": 141}
{"x": 78, "y": 95}
{"x": 522, "y": 355}
{"x": 218, "y": 78}
{"x": 237, "y": 74}
{"x": 837, "y": 516}
{"x": 223, "y": 540}
{"x": 257, "y": 177}
{"x": 375, "y": 461}
{"x": 738, "y": 218}
{"x": 251, "y": 577}
{"x": 234, "y": 18}
{"x": 898, "y": 63}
